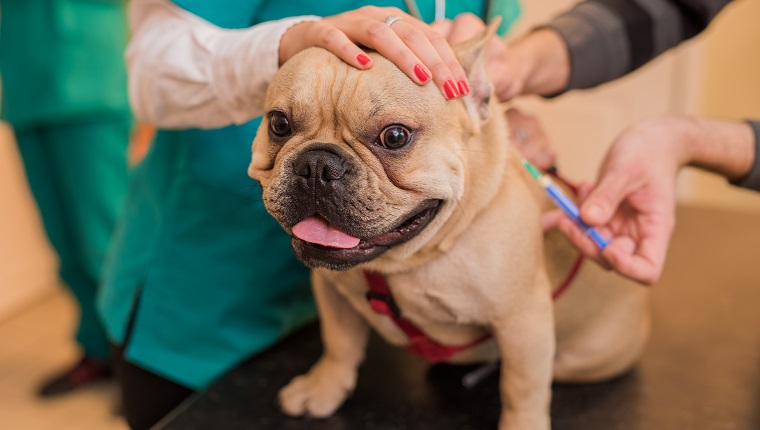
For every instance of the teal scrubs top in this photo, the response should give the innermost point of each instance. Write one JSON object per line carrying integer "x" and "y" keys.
{"x": 54, "y": 71}
{"x": 200, "y": 273}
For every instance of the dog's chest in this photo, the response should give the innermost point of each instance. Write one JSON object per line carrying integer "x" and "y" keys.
{"x": 443, "y": 306}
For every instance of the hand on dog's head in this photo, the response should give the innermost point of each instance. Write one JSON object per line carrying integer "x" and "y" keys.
{"x": 357, "y": 163}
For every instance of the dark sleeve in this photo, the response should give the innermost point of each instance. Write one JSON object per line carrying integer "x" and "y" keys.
{"x": 608, "y": 38}
{"x": 752, "y": 180}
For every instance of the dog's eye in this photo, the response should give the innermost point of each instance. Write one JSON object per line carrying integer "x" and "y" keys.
{"x": 395, "y": 137}
{"x": 279, "y": 124}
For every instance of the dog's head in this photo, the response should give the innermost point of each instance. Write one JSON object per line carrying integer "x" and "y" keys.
{"x": 354, "y": 164}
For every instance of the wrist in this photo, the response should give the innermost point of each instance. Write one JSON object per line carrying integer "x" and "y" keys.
{"x": 679, "y": 134}
{"x": 541, "y": 63}
{"x": 723, "y": 147}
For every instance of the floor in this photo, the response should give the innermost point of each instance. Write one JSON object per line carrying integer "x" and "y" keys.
{"x": 37, "y": 317}
{"x": 35, "y": 344}
{"x": 699, "y": 370}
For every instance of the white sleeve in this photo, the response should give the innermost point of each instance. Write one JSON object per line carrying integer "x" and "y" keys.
{"x": 186, "y": 72}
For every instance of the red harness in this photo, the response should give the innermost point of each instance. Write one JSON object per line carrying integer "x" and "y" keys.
{"x": 381, "y": 301}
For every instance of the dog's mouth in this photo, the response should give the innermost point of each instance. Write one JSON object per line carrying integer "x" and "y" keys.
{"x": 319, "y": 244}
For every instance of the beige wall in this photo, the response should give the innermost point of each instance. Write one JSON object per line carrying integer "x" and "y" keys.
{"x": 727, "y": 86}
{"x": 27, "y": 263}
{"x": 731, "y": 63}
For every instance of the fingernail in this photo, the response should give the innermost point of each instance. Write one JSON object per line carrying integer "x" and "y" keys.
{"x": 422, "y": 75}
{"x": 464, "y": 89}
{"x": 363, "y": 59}
{"x": 450, "y": 89}
{"x": 594, "y": 211}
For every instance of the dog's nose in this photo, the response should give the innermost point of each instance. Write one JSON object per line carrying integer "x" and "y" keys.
{"x": 318, "y": 164}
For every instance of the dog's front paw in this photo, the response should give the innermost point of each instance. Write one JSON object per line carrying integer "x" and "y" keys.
{"x": 320, "y": 392}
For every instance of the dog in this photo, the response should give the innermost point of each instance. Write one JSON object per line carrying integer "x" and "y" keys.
{"x": 420, "y": 222}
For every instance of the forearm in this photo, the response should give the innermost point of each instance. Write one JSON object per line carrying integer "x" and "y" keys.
{"x": 186, "y": 72}
{"x": 728, "y": 148}
{"x": 605, "y": 40}
{"x": 541, "y": 63}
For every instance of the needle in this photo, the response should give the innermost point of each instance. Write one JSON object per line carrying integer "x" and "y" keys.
{"x": 564, "y": 203}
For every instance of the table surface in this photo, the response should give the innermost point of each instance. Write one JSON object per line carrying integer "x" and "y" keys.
{"x": 701, "y": 369}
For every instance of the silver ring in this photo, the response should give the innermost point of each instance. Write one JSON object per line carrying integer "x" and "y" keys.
{"x": 391, "y": 19}
{"x": 521, "y": 135}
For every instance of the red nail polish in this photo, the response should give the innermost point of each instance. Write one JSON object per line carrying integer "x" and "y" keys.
{"x": 464, "y": 89}
{"x": 422, "y": 75}
{"x": 450, "y": 89}
{"x": 363, "y": 59}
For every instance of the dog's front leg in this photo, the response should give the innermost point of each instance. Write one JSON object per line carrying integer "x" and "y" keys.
{"x": 323, "y": 389}
{"x": 526, "y": 342}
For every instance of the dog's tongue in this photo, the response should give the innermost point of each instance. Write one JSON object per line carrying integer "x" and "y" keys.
{"x": 316, "y": 230}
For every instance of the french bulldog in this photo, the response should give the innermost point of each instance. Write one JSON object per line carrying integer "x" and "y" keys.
{"x": 375, "y": 177}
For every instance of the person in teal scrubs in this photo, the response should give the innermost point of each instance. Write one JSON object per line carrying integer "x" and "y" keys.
{"x": 201, "y": 276}
{"x": 64, "y": 93}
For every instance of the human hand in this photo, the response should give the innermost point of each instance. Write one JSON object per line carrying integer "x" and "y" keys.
{"x": 530, "y": 139}
{"x": 633, "y": 202}
{"x": 500, "y": 66}
{"x": 419, "y": 51}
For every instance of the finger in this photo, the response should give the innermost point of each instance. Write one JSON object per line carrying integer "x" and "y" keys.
{"x": 578, "y": 238}
{"x": 367, "y": 27}
{"x": 446, "y": 52}
{"x": 604, "y": 200}
{"x": 336, "y": 41}
{"x": 530, "y": 138}
{"x": 584, "y": 189}
{"x": 436, "y": 54}
{"x": 654, "y": 245}
{"x": 382, "y": 38}
{"x": 443, "y": 27}
{"x": 433, "y": 49}
{"x": 648, "y": 258}
{"x": 420, "y": 52}
{"x": 632, "y": 265}
{"x": 550, "y": 219}
{"x": 537, "y": 152}
{"x": 546, "y": 157}
{"x": 465, "y": 26}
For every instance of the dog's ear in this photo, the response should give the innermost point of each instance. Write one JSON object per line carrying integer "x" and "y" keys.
{"x": 472, "y": 56}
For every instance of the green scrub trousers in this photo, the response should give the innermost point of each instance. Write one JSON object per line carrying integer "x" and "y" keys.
{"x": 65, "y": 94}
{"x": 77, "y": 174}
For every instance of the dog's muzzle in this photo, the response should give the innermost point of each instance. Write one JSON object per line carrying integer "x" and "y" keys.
{"x": 325, "y": 212}
{"x": 319, "y": 168}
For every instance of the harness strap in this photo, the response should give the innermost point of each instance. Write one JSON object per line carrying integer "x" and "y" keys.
{"x": 569, "y": 278}
{"x": 381, "y": 301}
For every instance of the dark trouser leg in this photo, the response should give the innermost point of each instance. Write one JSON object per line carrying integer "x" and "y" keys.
{"x": 146, "y": 397}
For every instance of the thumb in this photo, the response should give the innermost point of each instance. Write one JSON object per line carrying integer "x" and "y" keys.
{"x": 602, "y": 202}
{"x": 550, "y": 220}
